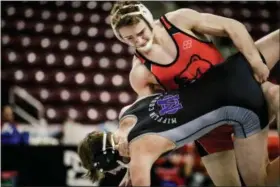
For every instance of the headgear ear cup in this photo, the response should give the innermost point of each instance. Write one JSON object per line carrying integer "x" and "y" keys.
{"x": 108, "y": 158}
{"x": 142, "y": 10}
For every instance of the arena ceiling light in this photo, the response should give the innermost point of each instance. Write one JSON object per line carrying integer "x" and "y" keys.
{"x": 72, "y": 113}
{"x": 264, "y": 27}
{"x": 92, "y": 31}
{"x": 80, "y": 78}
{"x": 50, "y": 59}
{"x": 78, "y": 17}
{"x": 105, "y": 97}
{"x": 45, "y": 42}
{"x": 109, "y": 33}
{"x": 5, "y": 39}
{"x": 25, "y": 41}
{"x": 18, "y": 75}
{"x": 61, "y": 16}
{"x": 117, "y": 80}
{"x": 104, "y": 62}
{"x": 39, "y": 76}
{"x": 86, "y": 61}
{"x": 44, "y": 94}
{"x": 60, "y": 77}
{"x": 75, "y": 30}
{"x": 28, "y": 13}
{"x": 76, "y": 4}
{"x": 85, "y": 96}
{"x": 46, "y": 14}
{"x": 265, "y": 13}
{"x": 99, "y": 47}
{"x": 107, "y": 6}
{"x": 31, "y": 57}
{"x": 99, "y": 79}
{"x": 82, "y": 46}
{"x": 116, "y": 48}
{"x": 91, "y": 4}
{"x": 51, "y": 113}
{"x": 68, "y": 60}
{"x": 57, "y": 29}
{"x": 12, "y": 56}
{"x": 111, "y": 114}
{"x": 11, "y": 11}
{"x": 124, "y": 97}
{"x": 39, "y": 27}
{"x": 64, "y": 95}
{"x": 121, "y": 63}
{"x": 64, "y": 44}
{"x": 92, "y": 113}
{"x": 94, "y": 18}
{"x": 246, "y": 13}
{"x": 20, "y": 25}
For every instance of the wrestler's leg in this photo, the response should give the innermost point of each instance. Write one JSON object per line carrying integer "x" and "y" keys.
{"x": 252, "y": 158}
{"x": 269, "y": 46}
{"x": 271, "y": 93}
{"x": 273, "y": 173}
{"x": 222, "y": 168}
{"x": 217, "y": 155}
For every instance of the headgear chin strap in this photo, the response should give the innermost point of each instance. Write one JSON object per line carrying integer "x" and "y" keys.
{"x": 144, "y": 13}
{"x": 108, "y": 160}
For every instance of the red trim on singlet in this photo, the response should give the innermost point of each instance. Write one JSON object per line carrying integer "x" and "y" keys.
{"x": 194, "y": 57}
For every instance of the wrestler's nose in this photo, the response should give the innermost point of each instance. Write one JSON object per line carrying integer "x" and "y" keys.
{"x": 140, "y": 41}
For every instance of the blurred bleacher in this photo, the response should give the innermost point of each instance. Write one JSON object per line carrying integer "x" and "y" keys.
{"x": 66, "y": 56}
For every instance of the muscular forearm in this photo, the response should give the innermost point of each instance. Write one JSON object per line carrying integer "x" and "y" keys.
{"x": 244, "y": 42}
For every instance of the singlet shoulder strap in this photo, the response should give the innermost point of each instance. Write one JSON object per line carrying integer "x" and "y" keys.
{"x": 168, "y": 26}
{"x": 143, "y": 61}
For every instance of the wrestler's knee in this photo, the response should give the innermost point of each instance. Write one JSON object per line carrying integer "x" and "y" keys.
{"x": 273, "y": 94}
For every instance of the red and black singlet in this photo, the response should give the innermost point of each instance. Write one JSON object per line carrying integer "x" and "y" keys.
{"x": 194, "y": 57}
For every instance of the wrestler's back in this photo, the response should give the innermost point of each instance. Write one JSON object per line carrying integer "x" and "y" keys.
{"x": 213, "y": 99}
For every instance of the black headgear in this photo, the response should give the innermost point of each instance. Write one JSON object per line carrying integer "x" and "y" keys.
{"x": 108, "y": 158}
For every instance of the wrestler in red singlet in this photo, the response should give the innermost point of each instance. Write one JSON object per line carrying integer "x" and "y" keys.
{"x": 194, "y": 57}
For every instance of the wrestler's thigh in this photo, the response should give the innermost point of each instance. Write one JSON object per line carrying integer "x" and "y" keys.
{"x": 269, "y": 47}
{"x": 222, "y": 168}
{"x": 252, "y": 166}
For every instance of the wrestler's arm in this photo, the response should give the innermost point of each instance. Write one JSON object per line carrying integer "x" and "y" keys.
{"x": 138, "y": 78}
{"x": 222, "y": 26}
{"x": 142, "y": 158}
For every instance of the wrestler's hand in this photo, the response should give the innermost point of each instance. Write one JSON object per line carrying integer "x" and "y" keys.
{"x": 123, "y": 147}
{"x": 261, "y": 72}
{"x": 126, "y": 181}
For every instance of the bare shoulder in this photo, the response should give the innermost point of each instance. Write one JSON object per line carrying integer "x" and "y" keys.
{"x": 138, "y": 69}
{"x": 182, "y": 17}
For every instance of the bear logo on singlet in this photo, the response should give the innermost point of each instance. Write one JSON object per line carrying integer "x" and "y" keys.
{"x": 166, "y": 105}
{"x": 193, "y": 71}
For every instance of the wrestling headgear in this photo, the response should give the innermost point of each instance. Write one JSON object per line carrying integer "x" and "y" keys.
{"x": 108, "y": 159}
{"x": 140, "y": 10}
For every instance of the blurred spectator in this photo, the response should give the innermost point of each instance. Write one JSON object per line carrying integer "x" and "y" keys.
{"x": 9, "y": 131}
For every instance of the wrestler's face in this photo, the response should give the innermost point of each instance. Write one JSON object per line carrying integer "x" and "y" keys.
{"x": 137, "y": 35}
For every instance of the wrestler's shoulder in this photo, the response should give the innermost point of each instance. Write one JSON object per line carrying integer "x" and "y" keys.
{"x": 177, "y": 16}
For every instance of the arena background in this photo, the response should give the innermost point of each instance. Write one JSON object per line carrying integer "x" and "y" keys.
{"x": 64, "y": 74}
